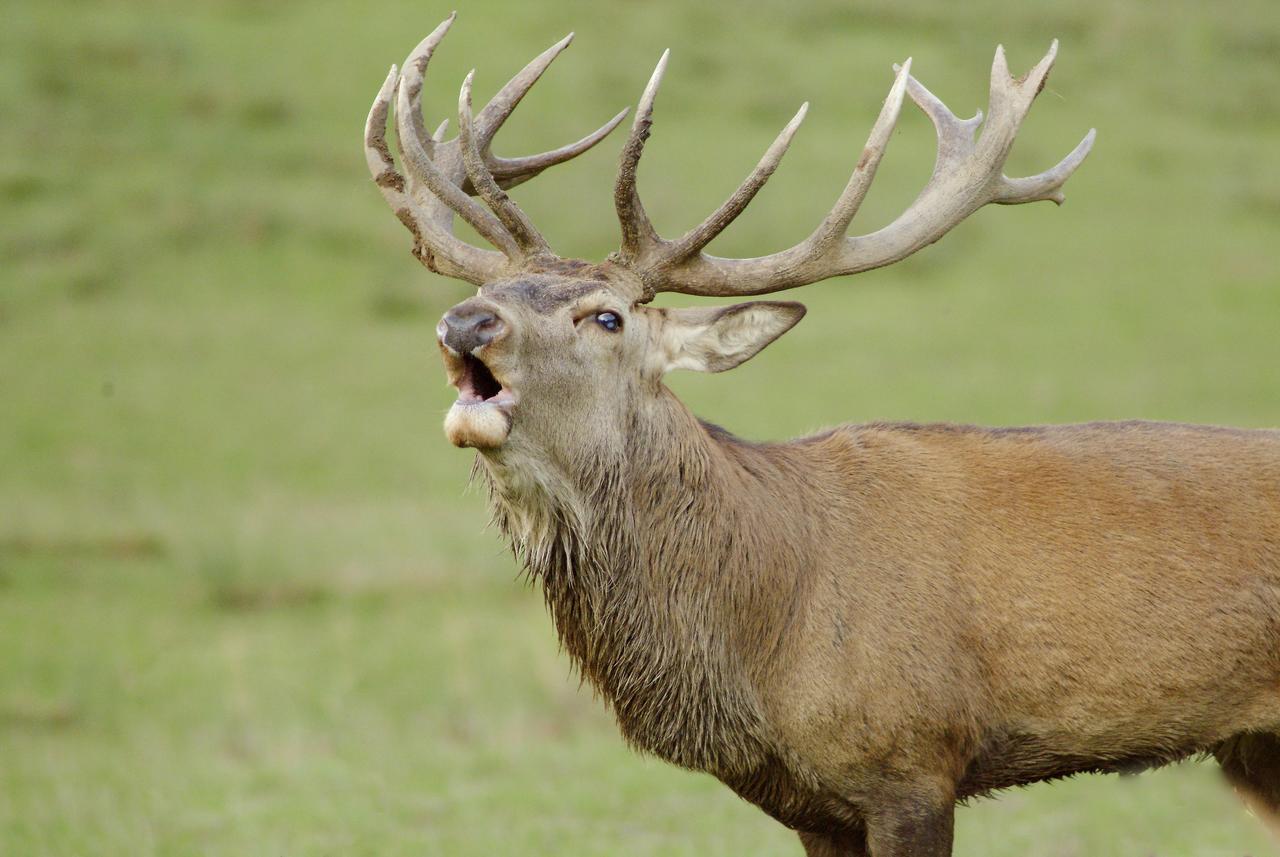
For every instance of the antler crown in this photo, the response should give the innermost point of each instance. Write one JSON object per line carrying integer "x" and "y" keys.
{"x": 443, "y": 178}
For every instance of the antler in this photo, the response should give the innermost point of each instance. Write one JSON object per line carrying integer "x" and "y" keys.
{"x": 966, "y": 176}
{"x": 442, "y": 176}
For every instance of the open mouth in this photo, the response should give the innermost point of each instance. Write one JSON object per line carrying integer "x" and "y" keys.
{"x": 477, "y": 385}
{"x": 481, "y": 417}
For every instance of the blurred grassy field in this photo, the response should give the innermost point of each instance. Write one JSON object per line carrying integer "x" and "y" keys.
{"x": 247, "y": 605}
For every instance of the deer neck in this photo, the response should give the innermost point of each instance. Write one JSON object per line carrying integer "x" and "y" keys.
{"x": 655, "y": 591}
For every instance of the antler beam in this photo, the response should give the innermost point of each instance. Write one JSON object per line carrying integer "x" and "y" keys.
{"x": 967, "y": 175}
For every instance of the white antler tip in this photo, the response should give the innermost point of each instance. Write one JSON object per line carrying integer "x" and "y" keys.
{"x": 562, "y": 44}
{"x": 790, "y": 130}
{"x": 1086, "y": 145}
{"x": 421, "y": 53}
{"x": 390, "y": 84}
{"x": 658, "y": 71}
{"x": 1000, "y": 76}
{"x": 902, "y": 75}
{"x": 464, "y": 98}
{"x": 1082, "y": 149}
{"x": 1041, "y": 71}
{"x": 651, "y": 89}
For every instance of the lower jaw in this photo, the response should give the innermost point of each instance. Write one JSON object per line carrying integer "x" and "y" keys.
{"x": 480, "y": 425}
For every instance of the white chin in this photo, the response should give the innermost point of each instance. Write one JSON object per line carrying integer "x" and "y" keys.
{"x": 481, "y": 425}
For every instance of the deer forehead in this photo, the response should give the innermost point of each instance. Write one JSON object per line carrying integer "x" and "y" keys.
{"x": 544, "y": 295}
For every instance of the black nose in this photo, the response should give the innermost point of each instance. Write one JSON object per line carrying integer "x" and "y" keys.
{"x": 469, "y": 325}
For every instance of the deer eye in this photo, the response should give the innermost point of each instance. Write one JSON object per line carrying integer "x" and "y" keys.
{"x": 610, "y": 321}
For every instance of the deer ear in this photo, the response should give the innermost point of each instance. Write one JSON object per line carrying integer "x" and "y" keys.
{"x": 713, "y": 339}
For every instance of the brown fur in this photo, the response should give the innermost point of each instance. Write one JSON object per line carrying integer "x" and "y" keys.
{"x": 825, "y": 622}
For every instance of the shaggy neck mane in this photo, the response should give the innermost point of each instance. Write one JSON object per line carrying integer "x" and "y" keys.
{"x": 659, "y": 562}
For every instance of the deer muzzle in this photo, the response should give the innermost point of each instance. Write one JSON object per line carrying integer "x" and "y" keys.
{"x": 482, "y": 415}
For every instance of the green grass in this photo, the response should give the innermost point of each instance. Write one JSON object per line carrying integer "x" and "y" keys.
{"x": 247, "y": 604}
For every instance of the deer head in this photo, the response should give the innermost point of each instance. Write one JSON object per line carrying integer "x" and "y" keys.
{"x": 557, "y": 357}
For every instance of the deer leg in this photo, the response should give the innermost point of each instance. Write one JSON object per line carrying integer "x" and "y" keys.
{"x": 1251, "y": 763}
{"x": 834, "y": 845}
{"x": 915, "y": 826}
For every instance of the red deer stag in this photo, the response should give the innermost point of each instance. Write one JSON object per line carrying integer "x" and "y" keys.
{"x": 857, "y": 629}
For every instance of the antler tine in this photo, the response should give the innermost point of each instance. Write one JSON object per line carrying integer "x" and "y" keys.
{"x": 833, "y": 228}
{"x": 526, "y": 235}
{"x": 509, "y": 172}
{"x": 966, "y": 176}
{"x": 1048, "y": 184}
{"x": 638, "y": 233}
{"x": 493, "y": 114}
{"x": 415, "y": 68}
{"x": 513, "y": 171}
{"x": 955, "y": 135}
{"x": 434, "y": 243}
{"x": 695, "y": 239}
{"x": 381, "y": 165}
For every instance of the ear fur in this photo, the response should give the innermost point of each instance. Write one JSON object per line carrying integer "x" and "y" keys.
{"x": 713, "y": 339}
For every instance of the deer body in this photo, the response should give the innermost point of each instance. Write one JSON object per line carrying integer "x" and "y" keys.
{"x": 857, "y": 629}
{"x": 983, "y": 608}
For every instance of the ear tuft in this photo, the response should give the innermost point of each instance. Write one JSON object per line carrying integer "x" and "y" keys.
{"x": 715, "y": 339}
